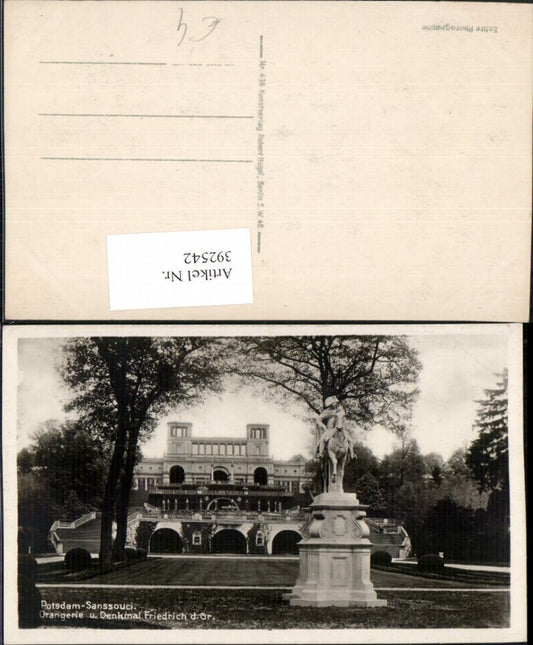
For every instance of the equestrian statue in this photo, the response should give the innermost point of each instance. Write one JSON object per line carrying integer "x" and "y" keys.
{"x": 335, "y": 445}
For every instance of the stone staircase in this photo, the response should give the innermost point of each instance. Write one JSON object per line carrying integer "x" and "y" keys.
{"x": 83, "y": 533}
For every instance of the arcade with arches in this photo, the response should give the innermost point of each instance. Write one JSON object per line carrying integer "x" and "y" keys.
{"x": 166, "y": 541}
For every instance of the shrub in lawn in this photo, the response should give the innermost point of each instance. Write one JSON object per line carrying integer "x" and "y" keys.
{"x": 144, "y": 533}
{"x": 381, "y": 557}
{"x": 431, "y": 563}
{"x": 77, "y": 559}
{"x": 141, "y": 554}
{"x": 130, "y": 554}
{"x": 29, "y": 602}
{"x": 27, "y": 566}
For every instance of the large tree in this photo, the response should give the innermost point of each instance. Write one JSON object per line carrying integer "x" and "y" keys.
{"x": 459, "y": 485}
{"x": 365, "y": 464}
{"x": 405, "y": 465}
{"x": 59, "y": 476}
{"x": 434, "y": 464}
{"x": 370, "y": 493}
{"x": 66, "y": 457}
{"x": 409, "y": 489}
{"x": 122, "y": 385}
{"x": 488, "y": 460}
{"x": 487, "y": 456}
{"x": 36, "y": 512}
{"x": 373, "y": 376}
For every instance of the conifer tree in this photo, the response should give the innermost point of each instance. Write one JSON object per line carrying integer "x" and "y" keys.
{"x": 487, "y": 456}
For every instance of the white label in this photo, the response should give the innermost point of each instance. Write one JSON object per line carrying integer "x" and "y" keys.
{"x": 186, "y": 269}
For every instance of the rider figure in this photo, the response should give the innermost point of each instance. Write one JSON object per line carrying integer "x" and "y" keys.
{"x": 329, "y": 421}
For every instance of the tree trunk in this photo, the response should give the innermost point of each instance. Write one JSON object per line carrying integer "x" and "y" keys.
{"x": 110, "y": 496}
{"x": 123, "y": 499}
{"x": 117, "y": 365}
{"x": 121, "y": 516}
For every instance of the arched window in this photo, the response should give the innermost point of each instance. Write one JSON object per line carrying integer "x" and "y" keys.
{"x": 220, "y": 475}
{"x": 260, "y": 476}
{"x": 176, "y": 475}
{"x": 222, "y": 504}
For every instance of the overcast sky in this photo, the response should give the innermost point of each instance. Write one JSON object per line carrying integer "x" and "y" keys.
{"x": 456, "y": 369}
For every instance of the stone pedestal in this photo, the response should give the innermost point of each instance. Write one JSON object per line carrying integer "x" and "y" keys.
{"x": 335, "y": 556}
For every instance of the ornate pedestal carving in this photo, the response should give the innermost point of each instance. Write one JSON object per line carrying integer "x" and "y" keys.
{"x": 335, "y": 556}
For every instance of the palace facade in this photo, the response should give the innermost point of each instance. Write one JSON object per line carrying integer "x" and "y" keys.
{"x": 218, "y": 495}
{"x": 200, "y": 472}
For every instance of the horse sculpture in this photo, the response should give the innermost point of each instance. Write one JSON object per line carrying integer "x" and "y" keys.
{"x": 333, "y": 462}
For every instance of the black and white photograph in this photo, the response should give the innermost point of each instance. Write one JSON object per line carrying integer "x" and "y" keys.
{"x": 266, "y": 287}
{"x": 284, "y": 479}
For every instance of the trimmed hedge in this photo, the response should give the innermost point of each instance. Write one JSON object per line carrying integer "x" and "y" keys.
{"x": 77, "y": 559}
{"x": 144, "y": 533}
{"x": 130, "y": 555}
{"x": 141, "y": 554}
{"x": 380, "y": 557}
{"x": 135, "y": 555}
{"x": 431, "y": 563}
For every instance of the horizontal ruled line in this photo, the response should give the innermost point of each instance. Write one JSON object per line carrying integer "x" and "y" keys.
{"x": 146, "y": 159}
{"x": 94, "y": 62}
{"x": 78, "y": 585}
{"x": 103, "y": 62}
{"x": 203, "y": 65}
{"x": 150, "y": 116}
{"x": 81, "y": 585}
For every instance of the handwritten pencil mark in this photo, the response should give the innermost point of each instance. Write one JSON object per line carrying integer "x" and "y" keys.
{"x": 183, "y": 28}
{"x": 211, "y": 27}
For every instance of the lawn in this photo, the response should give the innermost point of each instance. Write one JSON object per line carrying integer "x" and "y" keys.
{"x": 184, "y": 571}
{"x": 248, "y": 571}
{"x": 413, "y": 601}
